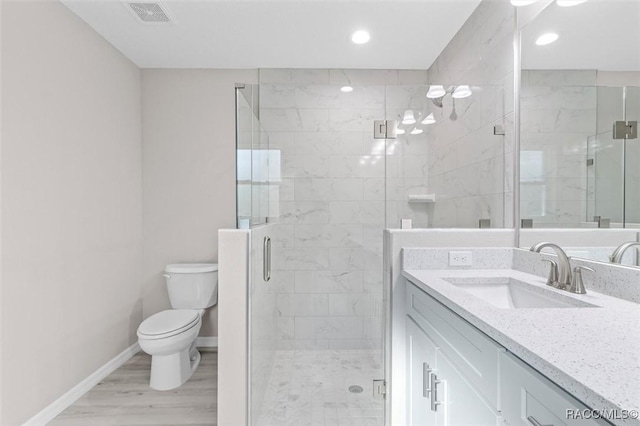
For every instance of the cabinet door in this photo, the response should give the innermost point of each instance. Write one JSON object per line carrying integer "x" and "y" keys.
{"x": 530, "y": 399}
{"x": 459, "y": 403}
{"x": 421, "y": 359}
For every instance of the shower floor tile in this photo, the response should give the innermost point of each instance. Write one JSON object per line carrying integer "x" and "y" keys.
{"x": 311, "y": 388}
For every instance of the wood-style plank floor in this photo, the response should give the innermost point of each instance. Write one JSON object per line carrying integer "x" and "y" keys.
{"x": 124, "y": 398}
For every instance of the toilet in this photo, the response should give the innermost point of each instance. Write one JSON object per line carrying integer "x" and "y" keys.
{"x": 170, "y": 336}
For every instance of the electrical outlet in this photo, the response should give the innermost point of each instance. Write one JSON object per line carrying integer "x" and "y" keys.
{"x": 460, "y": 258}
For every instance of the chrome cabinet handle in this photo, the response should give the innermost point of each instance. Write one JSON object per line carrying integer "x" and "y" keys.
{"x": 534, "y": 422}
{"x": 266, "y": 259}
{"x": 434, "y": 392}
{"x": 426, "y": 373}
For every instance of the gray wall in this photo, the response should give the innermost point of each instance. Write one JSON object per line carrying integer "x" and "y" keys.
{"x": 71, "y": 204}
{"x": 188, "y": 126}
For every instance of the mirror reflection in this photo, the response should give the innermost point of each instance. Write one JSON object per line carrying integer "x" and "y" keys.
{"x": 580, "y": 104}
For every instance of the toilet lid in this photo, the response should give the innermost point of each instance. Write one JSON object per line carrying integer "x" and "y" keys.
{"x": 167, "y": 323}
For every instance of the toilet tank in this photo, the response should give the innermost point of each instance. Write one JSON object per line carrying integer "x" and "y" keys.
{"x": 192, "y": 285}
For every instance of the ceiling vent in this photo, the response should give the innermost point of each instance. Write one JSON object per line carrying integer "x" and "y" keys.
{"x": 150, "y": 12}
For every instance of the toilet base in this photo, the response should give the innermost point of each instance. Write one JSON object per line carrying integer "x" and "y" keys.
{"x": 173, "y": 370}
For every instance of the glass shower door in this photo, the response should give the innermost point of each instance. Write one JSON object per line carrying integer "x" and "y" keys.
{"x": 257, "y": 167}
{"x": 317, "y": 326}
{"x": 632, "y": 162}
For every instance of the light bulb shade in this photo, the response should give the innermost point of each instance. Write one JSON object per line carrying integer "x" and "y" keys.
{"x": 346, "y": 89}
{"x": 429, "y": 119}
{"x": 400, "y": 131}
{"x": 436, "y": 91}
{"x": 416, "y": 131}
{"x": 462, "y": 92}
{"x": 408, "y": 117}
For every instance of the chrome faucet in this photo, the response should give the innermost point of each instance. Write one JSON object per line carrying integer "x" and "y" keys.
{"x": 564, "y": 265}
{"x": 616, "y": 256}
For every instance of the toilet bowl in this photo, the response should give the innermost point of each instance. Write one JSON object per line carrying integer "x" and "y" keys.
{"x": 170, "y": 336}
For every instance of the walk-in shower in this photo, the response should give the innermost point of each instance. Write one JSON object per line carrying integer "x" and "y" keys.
{"x": 318, "y": 188}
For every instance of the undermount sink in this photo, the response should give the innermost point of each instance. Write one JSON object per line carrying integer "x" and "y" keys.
{"x": 509, "y": 293}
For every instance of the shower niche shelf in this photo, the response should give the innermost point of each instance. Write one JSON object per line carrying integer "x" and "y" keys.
{"x": 422, "y": 198}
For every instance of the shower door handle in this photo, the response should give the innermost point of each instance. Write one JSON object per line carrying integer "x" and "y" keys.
{"x": 266, "y": 259}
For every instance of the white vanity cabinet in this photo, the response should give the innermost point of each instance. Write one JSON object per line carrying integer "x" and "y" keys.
{"x": 421, "y": 361}
{"x": 452, "y": 367}
{"x": 457, "y": 376}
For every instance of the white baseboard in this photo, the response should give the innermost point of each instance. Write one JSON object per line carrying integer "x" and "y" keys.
{"x": 60, "y": 404}
{"x": 207, "y": 342}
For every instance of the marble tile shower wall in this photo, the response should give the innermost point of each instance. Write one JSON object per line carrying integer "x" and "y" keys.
{"x": 470, "y": 168}
{"x": 559, "y": 117}
{"x": 331, "y": 203}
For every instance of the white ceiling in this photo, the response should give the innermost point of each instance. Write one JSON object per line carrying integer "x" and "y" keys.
{"x": 597, "y": 35}
{"x": 405, "y": 34}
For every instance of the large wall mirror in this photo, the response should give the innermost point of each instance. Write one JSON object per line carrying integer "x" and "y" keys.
{"x": 580, "y": 75}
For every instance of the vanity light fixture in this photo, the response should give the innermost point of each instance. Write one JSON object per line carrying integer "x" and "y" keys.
{"x": 429, "y": 119}
{"x": 416, "y": 131}
{"x": 346, "y": 89}
{"x": 408, "y": 117}
{"x": 360, "y": 37}
{"x": 547, "y": 38}
{"x": 463, "y": 91}
{"x": 569, "y": 3}
{"x": 518, "y": 3}
{"x": 436, "y": 91}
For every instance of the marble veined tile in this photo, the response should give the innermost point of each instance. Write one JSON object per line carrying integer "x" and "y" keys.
{"x": 343, "y": 281}
{"x": 294, "y": 119}
{"x": 300, "y": 305}
{"x": 354, "y": 120}
{"x": 300, "y": 259}
{"x": 311, "y": 387}
{"x": 304, "y": 212}
{"x": 328, "y": 235}
{"x": 328, "y": 189}
{"x": 294, "y": 76}
{"x": 328, "y": 143}
{"x": 361, "y": 77}
{"x": 350, "y": 304}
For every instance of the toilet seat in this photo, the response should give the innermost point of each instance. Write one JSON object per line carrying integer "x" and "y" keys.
{"x": 168, "y": 323}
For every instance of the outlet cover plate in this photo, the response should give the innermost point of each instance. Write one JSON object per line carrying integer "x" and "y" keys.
{"x": 460, "y": 258}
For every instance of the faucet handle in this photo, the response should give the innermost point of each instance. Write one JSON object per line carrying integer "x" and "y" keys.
{"x": 552, "y": 280}
{"x": 577, "y": 286}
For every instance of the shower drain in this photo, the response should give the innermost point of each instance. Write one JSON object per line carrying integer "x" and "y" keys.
{"x": 355, "y": 389}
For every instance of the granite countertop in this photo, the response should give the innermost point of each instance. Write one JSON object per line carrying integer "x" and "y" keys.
{"x": 593, "y": 353}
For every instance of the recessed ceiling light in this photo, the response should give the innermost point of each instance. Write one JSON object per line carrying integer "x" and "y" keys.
{"x": 346, "y": 89}
{"x": 519, "y": 3}
{"x": 547, "y": 38}
{"x": 569, "y": 3}
{"x": 360, "y": 37}
{"x": 416, "y": 131}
